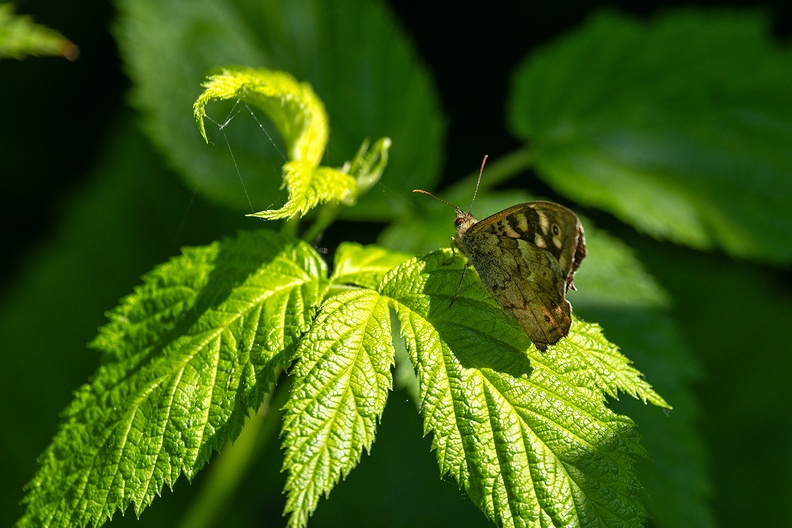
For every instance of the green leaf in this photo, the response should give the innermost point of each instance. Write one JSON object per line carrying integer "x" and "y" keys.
{"x": 20, "y": 37}
{"x": 342, "y": 379}
{"x": 299, "y": 116}
{"x": 369, "y": 163}
{"x": 364, "y": 266}
{"x": 190, "y": 352}
{"x": 352, "y": 53}
{"x": 528, "y": 437}
{"x": 680, "y": 127}
{"x": 615, "y": 290}
{"x": 308, "y": 187}
{"x": 612, "y": 277}
{"x": 82, "y": 267}
{"x": 616, "y": 266}
{"x": 602, "y": 366}
{"x": 293, "y": 107}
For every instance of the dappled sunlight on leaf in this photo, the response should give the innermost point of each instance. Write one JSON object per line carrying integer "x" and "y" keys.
{"x": 527, "y": 434}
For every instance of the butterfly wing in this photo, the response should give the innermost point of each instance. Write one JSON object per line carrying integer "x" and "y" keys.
{"x": 526, "y": 256}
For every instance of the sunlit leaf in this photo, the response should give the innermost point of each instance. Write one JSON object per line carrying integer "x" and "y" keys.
{"x": 529, "y": 439}
{"x": 293, "y": 107}
{"x": 342, "y": 381}
{"x": 310, "y": 186}
{"x": 193, "y": 350}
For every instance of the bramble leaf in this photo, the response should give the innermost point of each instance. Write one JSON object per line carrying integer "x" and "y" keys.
{"x": 190, "y": 352}
{"x": 615, "y": 290}
{"x": 342, "y": 379}
{"x": 588, "y": 360}
{"x": 364, "y": 265}
{"x": 529, "y": 438}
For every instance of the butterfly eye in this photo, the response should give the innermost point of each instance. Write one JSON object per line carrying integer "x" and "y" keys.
{"x": 556, "y": 230}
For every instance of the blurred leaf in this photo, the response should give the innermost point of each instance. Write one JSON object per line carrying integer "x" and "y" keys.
{"x": 681, "y": 127}
{"x": 20, "y": 37}
{"x": 732, "y": 313}
{"x": 612, "y": 276}
{"x": 351, "y": 52}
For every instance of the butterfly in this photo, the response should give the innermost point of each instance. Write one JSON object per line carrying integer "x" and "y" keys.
{"x": 526, "y": 256}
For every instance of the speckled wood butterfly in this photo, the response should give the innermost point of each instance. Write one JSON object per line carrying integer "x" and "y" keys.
{"x": 526, "y": 256}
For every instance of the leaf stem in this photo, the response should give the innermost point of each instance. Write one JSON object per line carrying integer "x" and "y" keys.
{"x": 230, "y": 466}
{"x": 291, "y": 226}
{"x": 325, "y": 216}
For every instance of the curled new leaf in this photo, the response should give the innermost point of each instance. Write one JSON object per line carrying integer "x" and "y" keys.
{"x": 293, "y": 107}
{"x": 354, "y": 53}
{"x": 308, "y": 187}
{"x": 300, "y": 118}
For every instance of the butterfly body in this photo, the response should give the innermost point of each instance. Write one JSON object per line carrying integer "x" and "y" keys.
{"x": 527, "y": 256}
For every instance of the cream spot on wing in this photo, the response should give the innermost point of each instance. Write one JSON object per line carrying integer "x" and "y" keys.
{"x": 544, "y": 221}
{"x": 556, "y": 232}
{"x": 509, "y": 231}
{"x": 522, "y": 224}
{"x": 540, "y": 241}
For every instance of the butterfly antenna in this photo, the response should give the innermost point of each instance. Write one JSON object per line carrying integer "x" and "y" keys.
{"x": 435, "y": 197}
{"x": 481, "y": 171}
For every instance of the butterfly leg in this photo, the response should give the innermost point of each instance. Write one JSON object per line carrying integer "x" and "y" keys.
{"x": 453, "y": 253}
{"x": 459, "y": 286}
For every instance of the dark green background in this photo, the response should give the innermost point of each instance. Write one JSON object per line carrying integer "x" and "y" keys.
{"x": 62, "y": 121}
